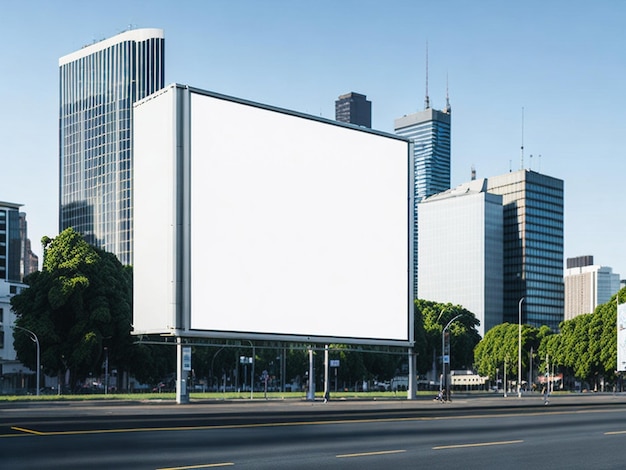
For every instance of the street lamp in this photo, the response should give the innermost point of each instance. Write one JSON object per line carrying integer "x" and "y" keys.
{"x": 519, "y": 351}
{"x": 443, "y": 357}
{"x": 106, "y": 370}
{"x": 33, "y": 338}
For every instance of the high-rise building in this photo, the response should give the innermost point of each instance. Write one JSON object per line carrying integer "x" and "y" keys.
{"x": 460, "y": 251}
{"x": 16, "y": 257}
{"x": 16, "y": 261}
{"x": 98, "y": 86}
{"x": 354, "y": 108}
{"x": 587, "y": 285}
{"x": 429, "y": 130}
{"x": 533, "y": 246}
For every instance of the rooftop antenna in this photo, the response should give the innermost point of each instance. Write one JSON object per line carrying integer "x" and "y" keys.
{"x": 448, "y": 108}
{"x": 522, "y": 148}
{"x": 539, "y": 164}
{"x": 473, "y": 172}
{"x": 427, "y": 99}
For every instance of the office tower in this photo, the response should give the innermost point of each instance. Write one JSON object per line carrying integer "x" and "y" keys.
{"x": 16, "y": 258}
{"x": 10, "y": 242}
{"x": 30, "y": 261}
{"x": 533, "y": 246}
{"x": 587, "y": 285}
{"x": 98, "y": 86}
{"x": 429, "y": 130}
{"x": 354, "y": 108}
{"x": 460, "y": 251}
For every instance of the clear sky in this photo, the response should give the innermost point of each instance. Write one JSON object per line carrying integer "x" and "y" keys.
{"x": 562, "y": 61}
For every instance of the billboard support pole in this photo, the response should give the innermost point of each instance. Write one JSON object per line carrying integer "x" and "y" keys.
{"x": 311, "y": 391}
{"x": 411, "y": 392}
{"x": 326, "y": 374}
{"x": 182, "y": 392}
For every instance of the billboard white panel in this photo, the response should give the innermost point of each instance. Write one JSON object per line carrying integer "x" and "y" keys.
{"x": 154, "y": 290}
{"x": 298, "y": 226}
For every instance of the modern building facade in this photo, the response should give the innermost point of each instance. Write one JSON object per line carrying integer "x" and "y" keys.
{"x": 16, "y": 261}
{"x": 461, "y": 251}
{"x": 354, "y": 108}
{"x": 533, "y": 247}
{"x": 98, "y": 86}
{"x": 16, "y": 257}
{"x": 587, "y": 285}
{"x": 429, "y": 130}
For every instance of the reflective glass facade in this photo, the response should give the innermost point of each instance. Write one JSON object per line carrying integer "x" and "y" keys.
{"x": 429, "y": 130}
{"x": 98, "y": 86}
{"x": 533, "y": 246}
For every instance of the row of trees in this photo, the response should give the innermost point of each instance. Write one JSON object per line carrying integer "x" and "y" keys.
{"x": 584, "y": 350}
{"x": 80, "y": 306}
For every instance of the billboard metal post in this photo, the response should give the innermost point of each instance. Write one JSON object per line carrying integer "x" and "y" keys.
{"x": 412, "y": 388}
{"x": 183, "y": 365}
{"x": 326, "y": 374}
{"x": 311, "y": 389}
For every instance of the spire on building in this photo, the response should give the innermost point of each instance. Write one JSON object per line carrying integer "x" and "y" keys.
{"x": 427, "y": 99}
{"x": 448, "y": 108}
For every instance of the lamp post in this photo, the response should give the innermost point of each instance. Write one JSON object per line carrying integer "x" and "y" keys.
{"x": 444, "y": 377}
{"x": 519, "y": 351}
{"x": 106, "y": 370}
{"x": 33, "y": 338}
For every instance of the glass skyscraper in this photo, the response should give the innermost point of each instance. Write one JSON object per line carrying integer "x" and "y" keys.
{"x": 429, "y": 130}
{"x": 533, "y": 246}
{"x": 98, "y": 86}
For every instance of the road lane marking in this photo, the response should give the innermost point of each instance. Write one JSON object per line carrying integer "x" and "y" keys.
{"x": 613, "y": 433}
{"x": 207, "y": 465}
{"x": 478, "y": 444}
{"x": 367, "y": 454}
{"x": 27, "y": 431}
{"x": 31, "y": 432}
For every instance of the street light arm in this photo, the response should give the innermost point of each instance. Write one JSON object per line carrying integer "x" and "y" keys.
{"x": 443, "y": 363}
{"x": 450, "y": 322}
{"x": 34, "y": 339}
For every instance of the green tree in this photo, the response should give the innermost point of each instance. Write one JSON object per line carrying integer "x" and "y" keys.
{"x": 464, "y": 337}
{"x": 501, "y": 344}
{"x": 79, "y": 304}
{"x": 586, "y": 345}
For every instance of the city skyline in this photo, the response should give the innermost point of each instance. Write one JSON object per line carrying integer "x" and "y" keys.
{"x": 557, "y": 64}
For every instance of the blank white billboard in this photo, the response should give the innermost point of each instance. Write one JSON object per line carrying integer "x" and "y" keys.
{"x": 295, "y": 228}
{"x": 299, "y": 227}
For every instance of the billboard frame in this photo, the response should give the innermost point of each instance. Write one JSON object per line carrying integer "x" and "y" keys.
{"x": 182, "y": 223}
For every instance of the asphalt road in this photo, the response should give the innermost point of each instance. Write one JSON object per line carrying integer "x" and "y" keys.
{"x": 579, "y": 431}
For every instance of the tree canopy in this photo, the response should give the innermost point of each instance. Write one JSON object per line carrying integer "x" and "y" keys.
{"x": 500, "y": 345}
{"x": 79, "y": 304}
{"x": 586, "y": 346}
{"x": 430, "y": 319}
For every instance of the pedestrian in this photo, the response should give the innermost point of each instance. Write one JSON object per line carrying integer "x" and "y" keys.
{"x": 545, "y": 394}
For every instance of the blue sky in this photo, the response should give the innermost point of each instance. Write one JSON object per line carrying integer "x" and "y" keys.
{"x": 563, "y": 62}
